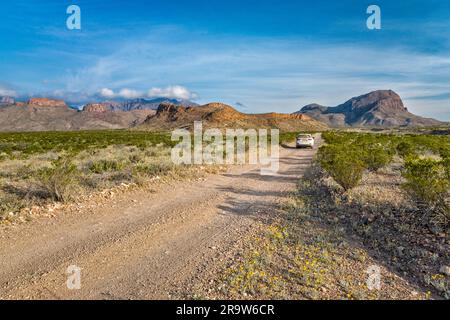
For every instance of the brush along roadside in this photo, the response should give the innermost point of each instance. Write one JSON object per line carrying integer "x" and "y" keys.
{"x": 31, "y": 187}
{"x": 306, "y": 252}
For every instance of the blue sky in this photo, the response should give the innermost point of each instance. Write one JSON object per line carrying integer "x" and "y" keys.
{"x": 257, "y": 55}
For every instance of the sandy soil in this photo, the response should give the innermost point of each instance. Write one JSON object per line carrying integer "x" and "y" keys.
{"x": 142, "y": 244}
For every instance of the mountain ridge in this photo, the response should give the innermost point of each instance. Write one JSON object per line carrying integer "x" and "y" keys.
{"x": 220, "y": 115}
{"x": 381, "y": 108}
{"x": 137, "y": 104}
{"x": 42, "y": 114}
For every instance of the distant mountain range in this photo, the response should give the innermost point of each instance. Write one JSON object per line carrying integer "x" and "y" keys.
{"x": 219, "y": 115}
{"x": 41, "y": 114}
{"x": 117, "y": 105}
{"x": 382, "y": 108}
{"x": 136, "y": 104}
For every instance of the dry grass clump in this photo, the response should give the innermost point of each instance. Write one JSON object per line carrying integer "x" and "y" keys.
{"x": 381, "y": 189}
{"x": 60, "y": 181}
{"x": 43, "y": 178}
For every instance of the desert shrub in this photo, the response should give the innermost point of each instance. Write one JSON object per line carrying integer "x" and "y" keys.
{"x": 60, "y": 180}
{"x": 344, "y": 165}
{"x": 102, "y": 166}
{"x": 376, "y": 157}
{"x": 406, "y": 149}
{"x": 153, "y": 169}
{"x": 3, "y": 155}
{"x": 446, "y": 164}
{"x": 151, "y": 153}
{"x": 331, "y": 137}
{"x": 444, "y": 152}
{"x": 24, "y": 144}
{"x": 427, "y": 181}
{"x": 135, "y": 158}
{"x": 9, "y": 203}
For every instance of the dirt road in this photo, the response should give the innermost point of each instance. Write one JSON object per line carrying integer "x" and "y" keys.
{"x": 143, "y": 245}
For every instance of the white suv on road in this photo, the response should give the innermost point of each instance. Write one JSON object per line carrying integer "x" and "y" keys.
{"x": 305, "y": 141}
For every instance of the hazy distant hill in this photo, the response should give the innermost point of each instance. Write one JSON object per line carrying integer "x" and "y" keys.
{"x": 41, "y": 114}
{"x": 46, "y": 114}
{"x": 219, "y": 115}
{"x": 140, "y": 104}
{"x": 378, "y": 108}
{"x": 6, "y": 101}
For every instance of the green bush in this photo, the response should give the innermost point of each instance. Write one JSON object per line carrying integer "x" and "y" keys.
{"x": 24, "y": 144}
{"x": 347, "y": 154}
{"x": 102, "y": 166}
{"x": 10, "y": 203}
{"x": 376, "y": 157}
{"x": 427, "y": 181}
{"x": 59, "y": 181}
{"x": 153, "y": 169}
{"x": 444, "y": 152}
{"x": 344, "y": 165}
{"x": 446, "y": 164}
{"x": 406, "y": 149}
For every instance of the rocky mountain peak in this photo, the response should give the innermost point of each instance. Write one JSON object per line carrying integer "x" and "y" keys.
{"x": 386, "y": 99}
{"x": 96, "y": 107}
{"x": 45, "y": 102}
{"x": 377, "y": 108}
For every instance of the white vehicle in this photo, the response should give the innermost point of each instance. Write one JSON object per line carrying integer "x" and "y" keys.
{"x": 305, "y": 141}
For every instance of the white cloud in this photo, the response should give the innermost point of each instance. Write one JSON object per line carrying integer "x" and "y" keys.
{"x": 107, "y": 93}
{"x": 269, "y": 74}
{"x": 173, "y": 92}
{"x": 7, "y": 92}
{"x": 123, "y": 93}
{"x": 129, "y": 94}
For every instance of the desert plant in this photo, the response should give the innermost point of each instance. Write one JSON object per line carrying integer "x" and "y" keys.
{"x": 406, "y": 149}
{"x": 427, "y": 181}
{"x": 10, "y": 204}
{"x": 24, "y": 144}
{"x": 446, "y": 164}
{"x": 344, "y": 165}
{"x": 106, "y": 165}
{"x": 135, "y": 158}
{"x": 376, "y": 157}
{"x": 153, "y": 169}
{"x": 60, "y": 180}
{"x": 444, "y": 152}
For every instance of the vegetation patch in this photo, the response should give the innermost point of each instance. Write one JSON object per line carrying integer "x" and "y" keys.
{"x": 305, "y": 254}
{"x": 39, "y": 168}
{"x": 59, "y": 181}
{"x": 24, "y": 144}
{"x": 423, "y": 158}
{"x": 102, "y": 166}
{"x": 369, "y": 201}
{"x": 427, "y": 181}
